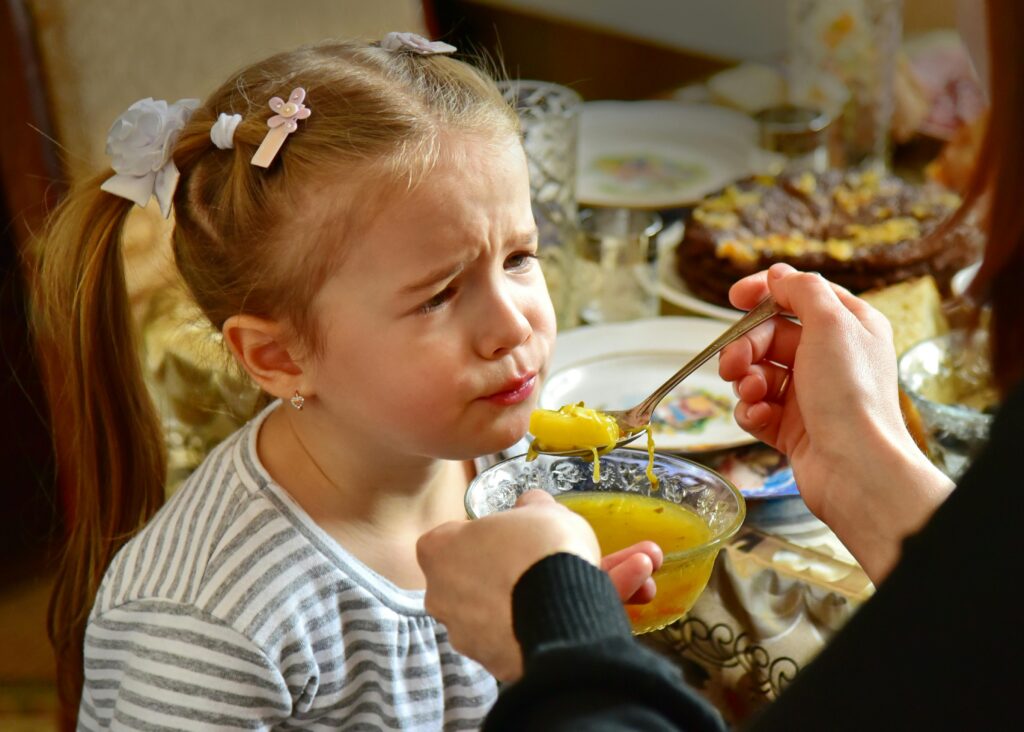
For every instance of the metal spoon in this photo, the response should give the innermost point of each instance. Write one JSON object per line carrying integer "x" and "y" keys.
{"x": 632, "y": 422}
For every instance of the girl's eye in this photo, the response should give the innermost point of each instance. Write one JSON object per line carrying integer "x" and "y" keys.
{"x": 438, "y": 300}
{"x": 520, "y": 260}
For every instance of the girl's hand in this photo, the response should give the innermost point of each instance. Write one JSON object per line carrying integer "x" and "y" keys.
{"x": 471, "y": 568}
{"x": 630, "y": 571}
{"x": 824, "y": 392}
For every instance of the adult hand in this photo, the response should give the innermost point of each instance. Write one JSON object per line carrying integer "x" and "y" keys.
{"x": 824, "y": 392}
{"x": 471, "y": 568}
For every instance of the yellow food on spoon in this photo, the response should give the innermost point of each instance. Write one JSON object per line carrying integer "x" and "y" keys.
{"x": 573, "y": 427}
{"x": 650, "y": 458}
{"x": 578, "y": 427}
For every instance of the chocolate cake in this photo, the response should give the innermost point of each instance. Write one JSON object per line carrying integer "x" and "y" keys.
{"x": 862, "y": 230}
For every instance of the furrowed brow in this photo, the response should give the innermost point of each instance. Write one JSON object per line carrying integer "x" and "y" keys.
{"x": 432, "y": 279}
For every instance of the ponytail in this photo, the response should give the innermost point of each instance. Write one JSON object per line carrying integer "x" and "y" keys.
{"x": 107, "y": 434}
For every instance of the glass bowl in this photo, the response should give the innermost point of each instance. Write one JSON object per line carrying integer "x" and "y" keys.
{"x": 717, "y": 504}
{"x": 948, "y": 380}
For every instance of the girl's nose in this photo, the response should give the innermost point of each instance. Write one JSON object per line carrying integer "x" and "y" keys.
{"x": 502, "y": 325}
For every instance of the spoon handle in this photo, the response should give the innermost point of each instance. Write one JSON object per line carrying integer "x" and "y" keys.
{"x": 767, "y": 308}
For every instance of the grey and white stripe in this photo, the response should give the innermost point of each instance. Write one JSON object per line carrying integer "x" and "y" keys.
{"x": 231, "y": 609}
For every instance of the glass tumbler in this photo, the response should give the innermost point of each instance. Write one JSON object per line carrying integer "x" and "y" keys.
{"x": 549, "y": 115}
{"x": 617, "y": 266}
{"x": 843, "y": 53}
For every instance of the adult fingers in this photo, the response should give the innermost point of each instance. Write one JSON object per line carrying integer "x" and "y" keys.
{"x": 867, "y": 314}
{"x": 814, "y": 300}
{"x": 774, "y": 340}
{"x": 761, "y": 419}
{"x": 749, "y": 291}
{"x": 765, "y": 381}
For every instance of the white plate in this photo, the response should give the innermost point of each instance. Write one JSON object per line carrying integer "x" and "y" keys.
{"x": 615, "y": 366}
{"x": 662, "y": 154}
{"x": 674, "y": 290}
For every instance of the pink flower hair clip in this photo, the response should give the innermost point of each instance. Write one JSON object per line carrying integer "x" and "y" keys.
{"x": 281, "y": 125}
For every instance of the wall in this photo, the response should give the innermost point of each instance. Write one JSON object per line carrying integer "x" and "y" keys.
{"x": 751, "y": 30}
{"x": 101, "y": 55}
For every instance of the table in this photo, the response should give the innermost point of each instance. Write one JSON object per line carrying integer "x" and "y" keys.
{"x": 776, "y": 596}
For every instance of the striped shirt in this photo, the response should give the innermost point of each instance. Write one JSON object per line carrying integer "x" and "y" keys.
{"x": 232, "y": 609}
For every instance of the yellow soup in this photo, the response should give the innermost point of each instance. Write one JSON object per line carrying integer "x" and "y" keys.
{"x": 622, "y": 519}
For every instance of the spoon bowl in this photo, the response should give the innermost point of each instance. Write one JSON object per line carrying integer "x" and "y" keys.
{"x": 634, "y": 421}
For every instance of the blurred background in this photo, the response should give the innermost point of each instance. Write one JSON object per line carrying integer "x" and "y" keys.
{"x": 69, "y": 67}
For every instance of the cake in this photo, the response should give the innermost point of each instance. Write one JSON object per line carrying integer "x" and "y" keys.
{"x": 862, "y": 230}
{"x": 913, "y": 309}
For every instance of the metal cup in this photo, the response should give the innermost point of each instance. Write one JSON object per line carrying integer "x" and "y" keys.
{"x": 617, "y": 265}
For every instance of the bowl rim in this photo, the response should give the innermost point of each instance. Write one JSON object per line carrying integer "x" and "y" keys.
{"x": 677, "y": 556}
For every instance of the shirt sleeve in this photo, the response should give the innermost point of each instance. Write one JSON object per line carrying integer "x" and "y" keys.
{"x": 161, "y": 665}
{"x": 582, "y": 668}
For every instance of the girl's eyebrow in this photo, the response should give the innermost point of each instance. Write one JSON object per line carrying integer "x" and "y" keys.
{"x": 527, "y": 237}
{"x": 448, "y": 271}
{"x": 438, "y": 275}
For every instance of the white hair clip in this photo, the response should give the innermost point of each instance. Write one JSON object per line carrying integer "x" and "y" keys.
{"x": 416, "y": 43}
{"x": 223, "y": 131}
{"x": 140, "y": 143}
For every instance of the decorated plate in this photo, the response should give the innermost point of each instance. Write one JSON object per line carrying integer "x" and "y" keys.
{"x": 617, "y": 365}
{"x": 757, "y": 470}
{"x": 661, "y": 154}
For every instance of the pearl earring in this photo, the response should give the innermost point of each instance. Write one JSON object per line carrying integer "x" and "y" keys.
{"x": 298, "y": 401}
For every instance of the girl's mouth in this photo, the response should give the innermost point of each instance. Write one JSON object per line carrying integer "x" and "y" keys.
{"x": 515, "y": 392}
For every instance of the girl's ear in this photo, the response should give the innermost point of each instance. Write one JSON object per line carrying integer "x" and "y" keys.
{"x": 267, "y": 350}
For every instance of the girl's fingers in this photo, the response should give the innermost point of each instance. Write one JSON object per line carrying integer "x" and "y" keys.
{"x": 645, "y": 594}
{"x": 631, "y": 576}
{"x": 652, "y": 550}
{"x": 534, "y": 497}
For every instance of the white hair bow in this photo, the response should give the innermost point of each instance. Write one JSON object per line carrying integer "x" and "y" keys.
{"x": 416, "y": 43}
{"x": 140, "y": 143}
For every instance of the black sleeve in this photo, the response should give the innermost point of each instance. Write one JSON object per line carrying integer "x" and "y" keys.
{"x": 939, "y": 644}
{"x": 582, "y": 669}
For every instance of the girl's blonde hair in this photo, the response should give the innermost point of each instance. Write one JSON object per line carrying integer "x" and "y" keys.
{"x": 244, "y": 243}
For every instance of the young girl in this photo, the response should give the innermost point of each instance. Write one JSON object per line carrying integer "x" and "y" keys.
{"x": 355, "y": 219}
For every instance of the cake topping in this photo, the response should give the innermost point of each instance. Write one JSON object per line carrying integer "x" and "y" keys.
{"x": 847, "y": 215}
{"x": 861, "y": 229}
